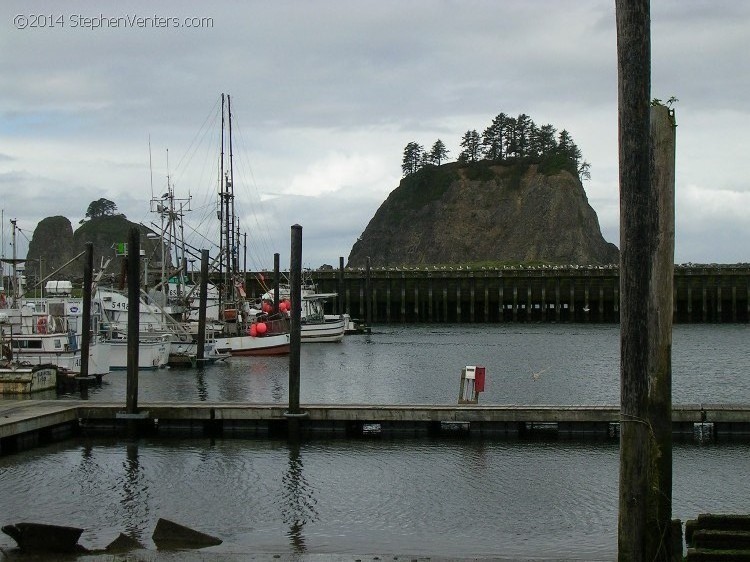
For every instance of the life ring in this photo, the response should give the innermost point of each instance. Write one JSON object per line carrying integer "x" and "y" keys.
{"x": 41, "y": 325}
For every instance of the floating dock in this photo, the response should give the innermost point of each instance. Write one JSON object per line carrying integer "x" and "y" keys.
{"x": 29, "y": 423}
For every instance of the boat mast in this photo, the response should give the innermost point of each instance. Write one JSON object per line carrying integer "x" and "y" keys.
{"x": 2, "y": 248}
{"x": 15, "y": 261}
{"x": 223, "y": 295}
{"x": 231, "y": 224}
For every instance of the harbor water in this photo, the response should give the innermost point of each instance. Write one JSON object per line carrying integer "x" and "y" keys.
{"x": 453, "y": 498}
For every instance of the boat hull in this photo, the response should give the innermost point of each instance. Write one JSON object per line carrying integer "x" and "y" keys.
{"x": 48, "y": 349}
{"x": 152, "y": 354}
{"x": 332, "y": 330}
{"x": 275, "y": 344}
{"x": 27, "y": 379}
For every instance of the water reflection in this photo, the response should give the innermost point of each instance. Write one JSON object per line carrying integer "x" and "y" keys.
{"x": 298, "y": 503}
{"x": 277, "y": 388}
{"x": 200, "y": 380}
{"x": 134, "y": 494}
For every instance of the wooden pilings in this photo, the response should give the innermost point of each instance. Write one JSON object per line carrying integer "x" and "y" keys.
{"x": 709, "y": 294}
{"x": 134, "y": 311}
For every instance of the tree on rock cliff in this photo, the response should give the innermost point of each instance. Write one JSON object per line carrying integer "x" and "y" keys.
{"x": 101, "y": 208}
{"x": 438, "y": 153}
{"x": 471, "y": 144}
{"x": 413, "y": 158}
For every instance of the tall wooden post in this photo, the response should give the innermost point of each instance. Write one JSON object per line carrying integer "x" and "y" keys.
{"x": 295, "y": 282}
{"x": 341, "y": 309}
{"x": 88, "y": 274}
{"x": 134, "y": 307}
{"x": 276, "y": 282}
{"x": 646, "y": 277}
{"x": 368, "y": 294}
{"x": 200, "y": 356}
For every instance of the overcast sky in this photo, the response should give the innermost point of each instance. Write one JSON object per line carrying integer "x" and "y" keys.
{"x": 325, "y": 96}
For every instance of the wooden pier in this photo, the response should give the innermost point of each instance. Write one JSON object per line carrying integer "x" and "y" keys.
{"x": 702, "y": 293}
{"x": 28, "y": 423}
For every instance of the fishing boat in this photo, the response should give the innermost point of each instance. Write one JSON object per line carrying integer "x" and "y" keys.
{"x": 49, "y": 331}
{"x": 18, "y": 377}
{"x": 162, "y": 340}
{"x": 316, "y": 325}
{"x": 245, "y": 330}
{"x": 264, "y": 335}
{"x": 24, "y": 378}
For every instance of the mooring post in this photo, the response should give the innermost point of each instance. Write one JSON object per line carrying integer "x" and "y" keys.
{"x": 134, "y": 289}
{"x": 202, "y": 307}
{"x": 295, "y": 282}
{"x": 646, "y": 278}
{"x": 340, "y": 297}
{"x": 88, "y": 278}
{"x": 368, "y": 294}
{"x": 276, "y": 282}
{"x": 661, "y": 316}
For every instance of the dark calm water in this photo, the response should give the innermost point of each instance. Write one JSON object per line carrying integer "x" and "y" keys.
{"x": 452, "y": 498}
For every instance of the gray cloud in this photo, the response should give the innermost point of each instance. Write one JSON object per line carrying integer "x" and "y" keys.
{"x": 326, "y": 94}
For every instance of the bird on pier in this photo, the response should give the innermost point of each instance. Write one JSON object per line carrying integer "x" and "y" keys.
{"x": 535, "y": 376}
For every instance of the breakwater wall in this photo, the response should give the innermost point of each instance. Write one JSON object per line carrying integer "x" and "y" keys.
{"x": 702, "y": 294}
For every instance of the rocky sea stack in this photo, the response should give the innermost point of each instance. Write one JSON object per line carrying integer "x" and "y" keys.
{"x": 483, "y": 213}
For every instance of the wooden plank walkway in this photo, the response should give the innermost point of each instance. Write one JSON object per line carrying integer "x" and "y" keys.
{"x": 26, "y": 423}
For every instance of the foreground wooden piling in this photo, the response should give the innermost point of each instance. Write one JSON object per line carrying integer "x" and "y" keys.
{"x": 646, "y": 273}
{"x": 134, "y": 307}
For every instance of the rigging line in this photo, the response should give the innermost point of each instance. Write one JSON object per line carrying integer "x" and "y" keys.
{"x": 205, "y": 185}
{"x": 150, "y": 166}
{"x": 263, "y": 241}
{"x": 208, "y": 133}
{"x": 212, "y": 113}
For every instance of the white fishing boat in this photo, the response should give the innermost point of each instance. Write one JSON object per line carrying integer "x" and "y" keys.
{"x": 316, "y": 326}
{"x": 162, "y": 340}
{"x": 264, "y": 336}
{"x": 245, "y": 331}
{"x": 153, "y": 352}
{"x": 48, "y": 331}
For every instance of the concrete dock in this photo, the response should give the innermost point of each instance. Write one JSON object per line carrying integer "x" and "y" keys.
{"x": 29, "y": 423}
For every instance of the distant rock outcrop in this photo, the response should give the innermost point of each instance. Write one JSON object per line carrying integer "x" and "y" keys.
{"x": 484, "y": 212}
{"x": 54, "y": 243}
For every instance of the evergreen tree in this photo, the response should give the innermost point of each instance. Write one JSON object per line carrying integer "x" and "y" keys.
{"x": 584, "y": 171}
{"x": 471, "y": 147}
{"x": 493, "y": 137}
{"x": 565, "y": 144}
{"x": 524, "y": 127}
{"x": 510, "y": 142}
{"x": 544, "y": 142}
{"x": 101, "y": 208}
{"x": 413, "y": 158}
{"x": 438, "y": 153}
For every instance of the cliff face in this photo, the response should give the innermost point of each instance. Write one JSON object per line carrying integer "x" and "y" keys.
{"x": 484, "y": 213}
{"x": 52, "y": 241}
